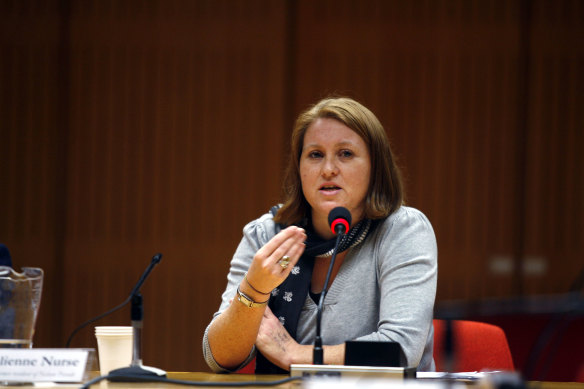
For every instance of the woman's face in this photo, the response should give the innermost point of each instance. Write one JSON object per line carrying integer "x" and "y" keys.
{"x": 335, "y": 170}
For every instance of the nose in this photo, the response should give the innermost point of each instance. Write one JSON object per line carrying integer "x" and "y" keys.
{"x": 330, "y": 168}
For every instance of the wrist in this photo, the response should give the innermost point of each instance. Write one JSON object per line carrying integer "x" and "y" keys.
{"x": 250, "y": 301}
{"x": 252, "y": 294}
{"x": 263, "y": 293}
{"x": 301, "y": 354}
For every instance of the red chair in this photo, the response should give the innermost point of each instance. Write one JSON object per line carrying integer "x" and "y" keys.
{"x": 248, "y": 369}
{"x": 478, "y": 346}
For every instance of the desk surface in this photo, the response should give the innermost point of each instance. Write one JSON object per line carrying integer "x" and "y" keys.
{"x": 215, "y": 378}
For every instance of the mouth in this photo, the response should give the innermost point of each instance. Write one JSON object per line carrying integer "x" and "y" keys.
{"x": 329, "y": 188}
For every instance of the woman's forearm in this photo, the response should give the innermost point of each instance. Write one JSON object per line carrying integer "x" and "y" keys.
{"x": 232, "y": 334}
{"x": 333, "y": 355}
{"x": 303, "y": 354}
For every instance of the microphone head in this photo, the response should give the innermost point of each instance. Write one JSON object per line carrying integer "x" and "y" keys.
{"x": 156, "y": 259}
{"x": 339, "y": 219}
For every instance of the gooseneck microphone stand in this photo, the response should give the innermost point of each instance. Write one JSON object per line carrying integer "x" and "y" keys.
{"x": 339, "y": 219}
{"x": 136, "y": 372}
{"x": 317, "y": 353}
{"x": 155, "y": 261}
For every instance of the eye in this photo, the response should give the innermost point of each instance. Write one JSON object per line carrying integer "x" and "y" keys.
{"x": 345, "y": 153}
{"x": 314, "y": 154}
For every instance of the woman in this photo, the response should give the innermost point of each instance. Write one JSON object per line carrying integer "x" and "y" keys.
{"x": 383, "y": 282}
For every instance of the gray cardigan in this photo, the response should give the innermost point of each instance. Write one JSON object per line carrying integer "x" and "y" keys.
{"x": 384, "y": 290}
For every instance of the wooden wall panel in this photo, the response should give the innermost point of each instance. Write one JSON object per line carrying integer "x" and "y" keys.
{"x": 31, "y": 147}
{"x": 447, "y": 91}
{"x": 173, "y": 115}
{"x": 554, "y": 237}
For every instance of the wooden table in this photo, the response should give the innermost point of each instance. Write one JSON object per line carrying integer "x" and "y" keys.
{"x": 213, "y": 379}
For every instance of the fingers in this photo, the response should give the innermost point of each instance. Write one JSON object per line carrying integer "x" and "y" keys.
{"x": 292, "y": 255}
{"x": 281, "y": 243}
{"x": 274, "y": 341}
{"x": 267, "y": 271}
{"x": 289, "y": 242}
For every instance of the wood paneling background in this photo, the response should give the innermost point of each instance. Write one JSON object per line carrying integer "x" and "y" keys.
{"x": 130, "y": 128}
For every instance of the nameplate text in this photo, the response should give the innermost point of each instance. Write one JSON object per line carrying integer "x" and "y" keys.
{"x": 43, "y": 365}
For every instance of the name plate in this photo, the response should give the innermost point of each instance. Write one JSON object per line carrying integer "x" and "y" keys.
{"x": 44, "y": 364}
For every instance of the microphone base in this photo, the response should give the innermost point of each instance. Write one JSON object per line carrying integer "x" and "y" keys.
{"x": 306, "y": 370}
{"x": 135, "y": 373}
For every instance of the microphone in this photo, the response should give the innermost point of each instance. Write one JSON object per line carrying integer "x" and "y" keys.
{"x": 137, "y": 372}
{"x": 339, "y": 219}
{"x": 155, "y": 260}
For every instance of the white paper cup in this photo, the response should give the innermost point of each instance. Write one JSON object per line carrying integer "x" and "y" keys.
{"x": 114, "y": 345}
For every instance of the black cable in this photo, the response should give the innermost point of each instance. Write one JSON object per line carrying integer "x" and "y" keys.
{"x": 155, "y": 261}
{"x": 194, "y": 383}
{"x": 79, "y": 328}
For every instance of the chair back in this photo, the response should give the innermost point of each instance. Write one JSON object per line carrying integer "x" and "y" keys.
{"x": 248, "y": 369}
{"x": 477, "y": 346}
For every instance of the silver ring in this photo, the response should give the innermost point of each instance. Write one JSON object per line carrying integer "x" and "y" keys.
{"x": 284, "y": 261}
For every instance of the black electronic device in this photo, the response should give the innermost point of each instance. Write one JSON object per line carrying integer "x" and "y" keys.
{"x": 372, "y": 353}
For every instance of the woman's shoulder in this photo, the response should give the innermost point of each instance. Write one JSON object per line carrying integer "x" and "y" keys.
{"x": 403, "y": 233}
{"x": 405, "y": 218}
{"x": 263, "y": 228}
